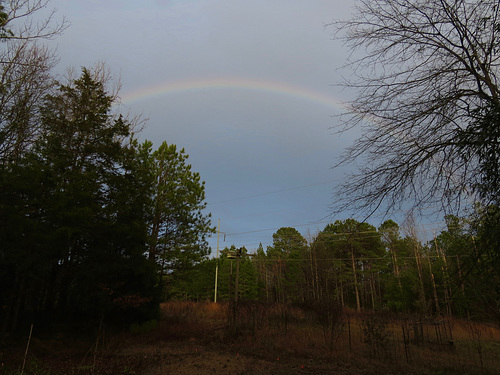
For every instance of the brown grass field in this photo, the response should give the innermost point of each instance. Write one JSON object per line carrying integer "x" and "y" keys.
{"x": 207, "y": 338}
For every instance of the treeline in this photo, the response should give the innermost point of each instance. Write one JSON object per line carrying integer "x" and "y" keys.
{"x": 91, "y": 219}
{"x": 365, "y": 268}
{"x": 96, "y": 226}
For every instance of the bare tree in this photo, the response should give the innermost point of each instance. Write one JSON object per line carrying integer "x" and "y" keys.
{"x": 25, "y": 66}
{"x": 425, "y": 72}
{"x": 19, "y": 20}
{"x": 23, "y": 83}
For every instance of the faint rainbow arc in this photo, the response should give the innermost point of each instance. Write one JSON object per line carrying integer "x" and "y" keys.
{"x": 273, "y": 87}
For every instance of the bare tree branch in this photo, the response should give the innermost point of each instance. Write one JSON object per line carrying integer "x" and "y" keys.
{"x": 24, "y": 80}
{"x": 25, "y": 67}
{"x": 22, "y": 22}
{"x": 426, "y": 69}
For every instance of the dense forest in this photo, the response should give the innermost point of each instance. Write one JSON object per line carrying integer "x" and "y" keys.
{"x": 365, "y": 268}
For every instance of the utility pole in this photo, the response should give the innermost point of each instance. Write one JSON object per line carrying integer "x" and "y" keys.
{"x": 217, "y": 264}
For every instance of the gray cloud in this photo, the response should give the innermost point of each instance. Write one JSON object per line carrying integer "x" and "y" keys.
{"x": 242, "y": 142}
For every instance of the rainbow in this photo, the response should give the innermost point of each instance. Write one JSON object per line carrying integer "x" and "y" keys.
{"x": 273, "y": 87}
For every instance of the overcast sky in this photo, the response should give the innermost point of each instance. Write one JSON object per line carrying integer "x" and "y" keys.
{"x": 246, "y": 87}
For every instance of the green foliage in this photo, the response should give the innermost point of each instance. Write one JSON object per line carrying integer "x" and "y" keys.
{"x": 356, "y": 254}
{"x": 195, "y": 283}
{"x": 247, "y": 281}
{"x": 402, "y": 298}
{"x": 247, "y": 284}
{"x": 285, "y": 265}
{"x": 351, "y": 262}
{"x": 400, "y": 276}
{"x": 4, "y": 19}
{"x": 177, "y": 225}
{"x": 483, "y": 275}
{"x": 74, "y": 242}
{"x": 480, "y": 142}
{"x": 198, "y": 282}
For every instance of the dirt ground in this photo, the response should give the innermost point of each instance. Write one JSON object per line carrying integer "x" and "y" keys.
{"x": 196, "y": 339}
{"x": 180, "y": 358}
{"x": 193, "y": 353}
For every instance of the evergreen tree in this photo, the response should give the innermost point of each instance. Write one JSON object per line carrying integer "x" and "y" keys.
{"x": 399, "y": 277}
{"x": 482, "y": 269}
{"x": 177, "y": 225}
{"x": 287, "y": 259}
{"x": 355, "y": 253}
{"x": 83, "y": 218}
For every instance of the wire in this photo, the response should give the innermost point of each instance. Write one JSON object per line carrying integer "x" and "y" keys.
{"x": 272, "y": 192}
{"x": 374, "y": 232}
{"x": 358, "y": 259}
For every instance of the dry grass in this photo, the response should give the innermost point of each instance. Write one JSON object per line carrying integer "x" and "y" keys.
{"x": 444, "y": 345}
{"x": 194, "y": 338}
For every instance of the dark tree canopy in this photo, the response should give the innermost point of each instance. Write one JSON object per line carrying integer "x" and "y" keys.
{"x": 77, "y": 211}
{"x": 426, "y": 77}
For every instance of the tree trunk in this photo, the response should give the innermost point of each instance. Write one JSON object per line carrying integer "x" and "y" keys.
{"x": 421, "y": 291}
{"x": 358, "y": 305}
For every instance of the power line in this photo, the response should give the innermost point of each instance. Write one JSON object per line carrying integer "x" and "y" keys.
{"x": 275, "y": 228}
{"x": 272, "y": 192}
{"x": 374, "y": 232}
{"x": 357, "y": 258}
